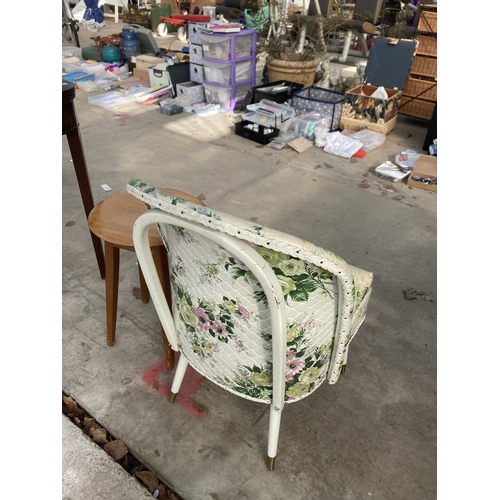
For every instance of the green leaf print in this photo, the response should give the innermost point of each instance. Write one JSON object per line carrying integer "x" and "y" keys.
{"x": 298, "y": 295}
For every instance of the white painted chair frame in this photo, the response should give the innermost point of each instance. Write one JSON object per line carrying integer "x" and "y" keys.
{"x": 262, "y": 271}
{"x": 344, "y": 332}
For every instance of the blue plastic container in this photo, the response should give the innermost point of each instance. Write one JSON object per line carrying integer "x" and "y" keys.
{"x": 131, "y": 46}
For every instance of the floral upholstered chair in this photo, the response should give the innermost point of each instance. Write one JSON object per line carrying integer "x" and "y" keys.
{"x": 264, "y": 315}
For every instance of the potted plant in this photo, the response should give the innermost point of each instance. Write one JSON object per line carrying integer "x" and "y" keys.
{"x": 294, "y": 47}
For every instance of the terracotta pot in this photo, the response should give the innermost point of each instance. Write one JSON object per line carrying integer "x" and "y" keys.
{"x": 289, "y": 69}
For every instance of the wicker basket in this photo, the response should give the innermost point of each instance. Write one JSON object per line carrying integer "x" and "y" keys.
{"x": 424, "y": 89}
{"x": 356, "y": 125}
{"x": 416, "y": 108}
{"x": 427, "y": 21}
{"x": 427, "y": 45}
{"x": 424, "y": 66}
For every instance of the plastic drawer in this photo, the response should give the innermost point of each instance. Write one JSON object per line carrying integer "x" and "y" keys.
{"x": 216, "y": 47}
{"x": 244, "y": 44}
{"x": 227, "y": 96}
{"x": 222, "y": 72}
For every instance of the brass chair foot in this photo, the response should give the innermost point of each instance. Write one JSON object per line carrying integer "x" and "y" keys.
{"x": 270, "y": 463}
{"x": 172, "y": 397}
{"x": 342, "y": 370}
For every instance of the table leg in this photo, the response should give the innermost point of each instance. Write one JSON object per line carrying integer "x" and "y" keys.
{"x": 144, "y": 287}
{"x": 78, "y": 156}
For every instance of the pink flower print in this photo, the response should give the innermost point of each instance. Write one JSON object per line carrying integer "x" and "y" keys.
{"x": 244, "y": 312}
{"x": 240, "y": 346}
{"x": 203, "y": 319}
{"x": 293, "y": 366}
{"x": 309, "y": 323}
{"x": 219, "y": 329}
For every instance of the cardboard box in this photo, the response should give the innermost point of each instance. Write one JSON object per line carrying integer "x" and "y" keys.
{"x": 426, "y": 166}
{"x": 141, "y": 74}
{"x": 359, "y": 104}
{"x": 145, "y": 61}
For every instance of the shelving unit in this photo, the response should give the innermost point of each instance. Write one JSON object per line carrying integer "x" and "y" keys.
{"x": 229, "y": 62}
{"x": 420, "y": 92}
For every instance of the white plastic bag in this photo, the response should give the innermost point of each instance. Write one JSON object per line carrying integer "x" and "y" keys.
{"x": 380, "y": 93}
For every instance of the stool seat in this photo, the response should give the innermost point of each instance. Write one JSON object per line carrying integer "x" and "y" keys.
{"x": 113, "y": 220}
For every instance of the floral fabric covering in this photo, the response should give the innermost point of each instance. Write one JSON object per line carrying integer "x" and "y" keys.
{"x": 220, "y": 310}
{"x": 224, "y": 325}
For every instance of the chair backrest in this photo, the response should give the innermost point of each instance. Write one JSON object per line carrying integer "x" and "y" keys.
{"x": 251, "y": 304}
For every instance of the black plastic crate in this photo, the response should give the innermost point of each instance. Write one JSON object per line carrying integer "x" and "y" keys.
{"x": 280, "y": 97}
{"x": 263, "y": 135}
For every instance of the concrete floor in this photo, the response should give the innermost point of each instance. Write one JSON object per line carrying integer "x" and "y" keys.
{"x": 373, "y": 434}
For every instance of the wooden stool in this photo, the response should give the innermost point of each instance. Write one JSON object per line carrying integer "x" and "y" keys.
{"x": 113, "y": 220}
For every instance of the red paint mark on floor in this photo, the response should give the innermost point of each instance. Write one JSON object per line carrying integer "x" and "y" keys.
{"x": 121, "y": 118}
{"x": 190, "y": 384}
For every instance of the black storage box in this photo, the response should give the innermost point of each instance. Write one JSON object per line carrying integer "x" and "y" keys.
{"x": 263, "y": 135}
{"x": 281, "y": 96}
{"x": 179, "y": 73}
{"x": 171, "y": 110}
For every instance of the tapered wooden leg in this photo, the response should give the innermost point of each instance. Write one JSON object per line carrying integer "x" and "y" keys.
{"x": 112, "y": 259}
{"x": 78, "y": 156}
{"x": 144, "y": 287}
{"x": 160, "y": 260}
